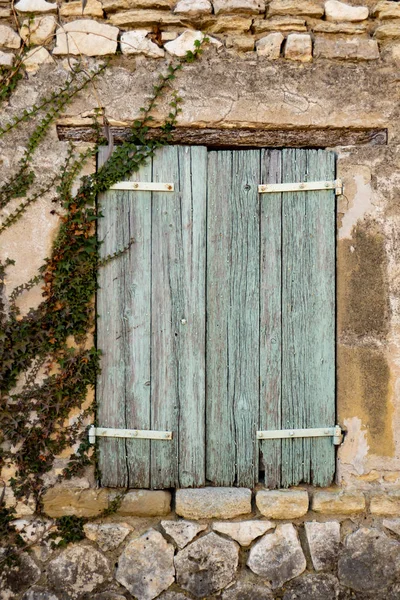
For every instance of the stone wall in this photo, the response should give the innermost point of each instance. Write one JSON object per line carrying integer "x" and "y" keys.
{"x": 218, "y": 543}
{"x": 298, "y": 31}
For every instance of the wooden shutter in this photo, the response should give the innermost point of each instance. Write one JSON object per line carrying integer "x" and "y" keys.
{"x": 219, "y": 321}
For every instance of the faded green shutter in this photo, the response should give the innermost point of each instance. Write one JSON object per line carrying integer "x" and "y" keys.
{"x": 219, "y": 321}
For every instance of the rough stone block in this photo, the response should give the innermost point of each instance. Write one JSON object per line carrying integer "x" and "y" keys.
{"x": 108, "y": 536}
{"x": 169, "y": 595}
{"x": 78, "y": 570}
{"x": 35, "y": 6}
{"x": 228, "y": 24}
{"x": 16, "y": 578}
{"x": 249, "y": 7}
{"x": 241, "y": 43}
{"x": 346, "y": 48}
{"x": 309, "y": 8}
{"x": 278, "y": 556}
{"x": 182, "y": 532}
{"x": 338, "y": 502}
{"x": 386, "y": 504}
{"x": 348, "y": 28}
{"x": 6, "y": 59}
{"x": 269, "y": 46}
{"x": 244, "y": 532}
{"x": 393, "y": 525}
{"x": 279, "y": 24}
{"x": 282, "y": 504}
{"x": 146, "y": 566}
{"x": 147, "y": 5}
{"x": 213, "y": 502}
{"x": 387, "y": 10}
{"x": 370, "y": 561}
{"x": 32, "y": 530}
{"x": 93, "y": 8}
{"x": 247, "y": 589}
{"x": 298, "y": 47}
{"x": 145, "y": 503}
{"x": 86, "y": 37}
{"x": 207, "y": 565}
{"x": 9, "y": 38}
{"x": 60, "y": 501}
{"x": 137, "y": 42}
{"x": 339, "y": 11}
{"x": 36, "y": 57}
{"x": 184, "y": 43}
{"x": 40, "y": 30}
{"x": 145, "y": 18}
{"x": 193, "y": 8}
{"x": 313, "y": 587}
{"x": 388, "y": 31}
{"x": 323, "y": 541}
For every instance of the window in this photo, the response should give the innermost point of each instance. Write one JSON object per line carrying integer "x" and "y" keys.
{"x": 219, "y": 321}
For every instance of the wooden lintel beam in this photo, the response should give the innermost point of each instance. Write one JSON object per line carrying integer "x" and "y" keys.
{"x": 311, "y": 137}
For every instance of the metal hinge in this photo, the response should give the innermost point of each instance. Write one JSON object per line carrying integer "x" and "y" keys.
{"x": 134, "y": 434}
{"x": 301, "y": 186}
{"x": 143, "y": 186}
{"x": 335, "y": 432}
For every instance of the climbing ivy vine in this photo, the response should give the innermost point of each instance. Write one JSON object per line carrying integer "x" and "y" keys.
{"x": 47, "y": 360}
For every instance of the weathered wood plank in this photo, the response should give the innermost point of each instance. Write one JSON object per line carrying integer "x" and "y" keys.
{"x": 112, "y": 228}
{"x": 270, "y": 316}
{"x": 321, "y": 349}
{"x": 314, "y": 137}
{"x": 136, "y": 270}
{"x": 126, "y": 293}
{"x": 295, "y": 319}
{"x": 233, "y": 317}
{"x": 178, "y": 316}
{"x": 220, "y": 429}
{"x": 191, "y": 204}
{"x": 307, "y": 317}
{"x": 166, "y": 310}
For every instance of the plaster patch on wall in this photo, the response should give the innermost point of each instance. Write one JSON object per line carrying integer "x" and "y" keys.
{"x": 359, "y": 195}
{"x": 354, "y": 450}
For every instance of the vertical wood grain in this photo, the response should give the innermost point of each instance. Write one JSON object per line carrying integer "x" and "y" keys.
{"x": 321, "y": 358}
{"x": 295, "y": 320}
{"x": 220, "y": 449}
{"x": 178, "y": 317}
{"x": 111, "y": 382}
{"x": 124, "y": 333}
{"x": 307, "y": 314}
{"x": 192, "y": 326}
{"x": 166, "y": 307}
{"x": 135, "y": 312}
{"x": 270, "y": 316}
{"x": 233, "y": 248}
